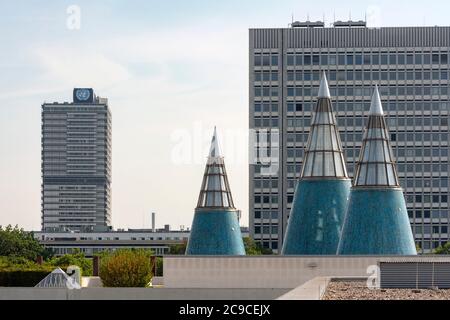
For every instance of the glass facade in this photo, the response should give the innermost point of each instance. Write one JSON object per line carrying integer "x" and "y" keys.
{"x": 413, "y": 81}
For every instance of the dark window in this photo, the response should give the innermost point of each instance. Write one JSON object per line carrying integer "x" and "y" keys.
{"x": 257, "y": 60}
{"x": 274, "y": 60}
{"x": 444, "y": 59}
{"x": 349, "y": 59}
{"x": 418, "y": 59}
{"x": 409, "y": 59}
{"x": 316, "y": 59}
{"x": 307, "y": 60}
{"x": 435, "y": 58}
{"x": 298, "y": 107}
{"x": 290, "y": 60}
{"x": 392, "y": 59}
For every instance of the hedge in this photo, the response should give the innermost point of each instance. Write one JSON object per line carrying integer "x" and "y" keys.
{"x": 23, "y": 278}
{"x": 21, "y": 272}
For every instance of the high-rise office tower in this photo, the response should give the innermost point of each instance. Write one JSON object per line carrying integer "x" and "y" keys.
{"x": 215, "y": 227}
{"x": 410, "y": 65}
{"x": 76, "y": 164}
{"x": 376, "y": 221}
{"x": 321, "y": 194}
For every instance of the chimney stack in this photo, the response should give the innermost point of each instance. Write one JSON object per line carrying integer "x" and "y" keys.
{"x": 153, "y": 222}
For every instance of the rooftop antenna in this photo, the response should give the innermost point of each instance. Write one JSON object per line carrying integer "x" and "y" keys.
{"x": 323, "y": 18}
{"x": 334, "y": 16}
{"x": 307, "y": 16}
{"x": 350, "y": 15}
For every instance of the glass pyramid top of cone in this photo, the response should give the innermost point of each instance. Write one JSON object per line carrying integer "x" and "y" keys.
{"x": 376, "y": 165}
{"x": 323, "y": 155}
{"x": 215, "y": 190}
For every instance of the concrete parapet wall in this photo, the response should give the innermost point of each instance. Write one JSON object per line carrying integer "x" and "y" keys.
{"x": 139, "y": 294}
{"x": 262, "y": 271}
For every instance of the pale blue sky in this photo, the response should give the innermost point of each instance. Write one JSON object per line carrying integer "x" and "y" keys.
{"x": 167, "y": 67}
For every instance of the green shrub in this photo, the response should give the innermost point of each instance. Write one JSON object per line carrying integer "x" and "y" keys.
{"x": 159, "y": 267}
{"x": 126, "y": 268}
{"x": 77, "y": 259}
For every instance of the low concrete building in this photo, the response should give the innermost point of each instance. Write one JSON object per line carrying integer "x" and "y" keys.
{"x": 91, "y": 243}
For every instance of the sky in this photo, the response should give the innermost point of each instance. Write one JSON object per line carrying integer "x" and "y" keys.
{"x": 172, "y": 70}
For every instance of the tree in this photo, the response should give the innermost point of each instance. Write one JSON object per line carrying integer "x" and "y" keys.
{"x": 15, "y": 242}
{"x": 77, "y": 259}
{"x": 445, "y": 249}
{"x": 178, "y": 248}
{"x": 255, "y": 249}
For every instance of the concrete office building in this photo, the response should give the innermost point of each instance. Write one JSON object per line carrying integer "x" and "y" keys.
{"x": 410, "y": 65}
{"x": 76, "y": 164}
{"x": 159, "y": 240}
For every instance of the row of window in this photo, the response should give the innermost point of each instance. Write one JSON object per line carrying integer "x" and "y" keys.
{"x": 428, "y": 214}
{"x": 266, "y": 229}
{"x": 266, "y": 214}
{"x": 427, "y": 229}
{"x": 359, "y": 122}
{"x": 266, "y": 183}
{"x": 349, "y": 75}
{"x": 266, "y": 199}
{"x": 358, "y": 106}
{"x": 352, "y": 92}
{"x": 427, "y": 198}
{"x": 402, "y": 167}
{"x": 366, "y": 59}
{"x": 395, "y": 137}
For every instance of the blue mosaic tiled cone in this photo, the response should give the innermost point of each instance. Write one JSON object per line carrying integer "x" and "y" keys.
{"x": 215, "y": 228}
{"x": 321, "y": 196}
{"x": 376, "y": 221}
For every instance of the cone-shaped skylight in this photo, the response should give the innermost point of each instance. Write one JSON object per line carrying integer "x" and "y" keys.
{"x": 323, "y": 154}
{"x": 215, "y": 191}
{"x": 376, "y": 166}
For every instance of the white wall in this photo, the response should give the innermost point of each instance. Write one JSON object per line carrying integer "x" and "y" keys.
{"x": 259, "y": 271}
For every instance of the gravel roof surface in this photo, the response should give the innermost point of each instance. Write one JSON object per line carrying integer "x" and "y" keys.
{"x": 357, "y": 290}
